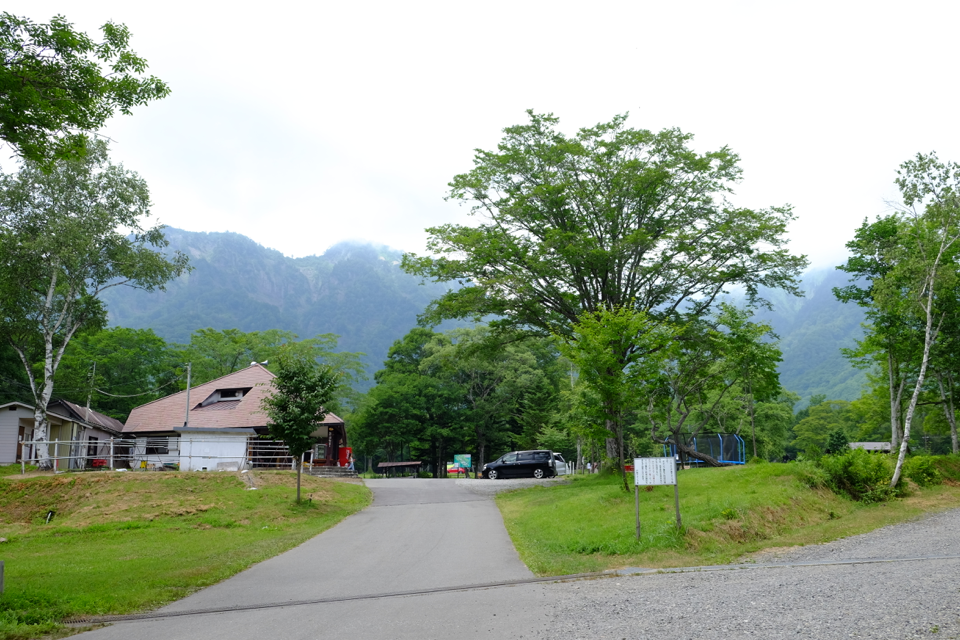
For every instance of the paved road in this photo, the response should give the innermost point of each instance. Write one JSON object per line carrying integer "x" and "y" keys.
{"x": 422, "y": 534}
{"x": 418, "y": 534}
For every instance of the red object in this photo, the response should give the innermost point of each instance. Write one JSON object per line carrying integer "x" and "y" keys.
{"x": 98, "y": 462}
{"x": 628, "y": 468}
{"x": 345, "y": 454}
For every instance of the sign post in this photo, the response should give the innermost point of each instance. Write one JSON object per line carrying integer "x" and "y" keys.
{"x": 463, "y": 461}
{"x": 655, "y": 471}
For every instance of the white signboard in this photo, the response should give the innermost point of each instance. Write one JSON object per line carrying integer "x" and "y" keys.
{"x": 653, "y": 471}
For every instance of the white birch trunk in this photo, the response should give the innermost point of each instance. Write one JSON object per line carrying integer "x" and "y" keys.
{"x": 930, "y": 334}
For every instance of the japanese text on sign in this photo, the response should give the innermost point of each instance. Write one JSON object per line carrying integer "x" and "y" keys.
{"x": 652, "y": 471}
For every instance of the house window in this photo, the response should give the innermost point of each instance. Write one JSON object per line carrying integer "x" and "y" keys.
{"x": 91, "y": 447}
{"x": 157, "y": 446}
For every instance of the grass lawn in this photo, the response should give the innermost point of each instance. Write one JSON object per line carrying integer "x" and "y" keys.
{"x": 125, "y": 542}
{"x": 589, "y": 524}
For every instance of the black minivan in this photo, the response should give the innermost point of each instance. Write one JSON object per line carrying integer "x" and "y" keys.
{"x": 521, "y": 464}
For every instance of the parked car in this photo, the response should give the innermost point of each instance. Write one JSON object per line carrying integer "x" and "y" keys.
{"x": 560, "y": 464}
{"x": 522, "y": 464}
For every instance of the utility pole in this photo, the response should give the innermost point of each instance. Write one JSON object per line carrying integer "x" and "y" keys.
{"x": 93, "y": 381}
{"x": 186, "y": 417}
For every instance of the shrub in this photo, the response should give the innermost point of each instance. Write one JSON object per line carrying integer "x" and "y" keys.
{"x": 837, "y": 443}
{"x": 860, "y": 475}
{"x": 921, "y": 470}
{"x": 811, "y": 475}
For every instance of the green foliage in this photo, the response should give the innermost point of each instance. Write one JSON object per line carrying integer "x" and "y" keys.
{"x": 456, "y": 392}
{"x": 133, "y": 367}
{"x": 837, "y": 443}
{"x": 922, "y": 470}
{"x": 298, "y": 405}
{"x": 53, "y": 90}
{"x": 824, "y": 418}
{"x": 68, "y": 233}
{"x": 859, "y": 475}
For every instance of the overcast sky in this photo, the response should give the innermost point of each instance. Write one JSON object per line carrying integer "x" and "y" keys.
{"x": 303, "y": 124}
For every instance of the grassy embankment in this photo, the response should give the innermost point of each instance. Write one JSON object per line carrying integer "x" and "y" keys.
{"x": 126, "y": 542}
{"x": 589, "y": 525}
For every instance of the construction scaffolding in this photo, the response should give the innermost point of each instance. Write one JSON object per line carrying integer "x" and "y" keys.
{"x": 167, "y": 453}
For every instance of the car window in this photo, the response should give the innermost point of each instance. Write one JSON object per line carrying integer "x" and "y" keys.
{"x": 541, "y": 455}
{"x": 509, "y": 458}
{"x": 526, "y": 457}
{"x": 558, "y": 457}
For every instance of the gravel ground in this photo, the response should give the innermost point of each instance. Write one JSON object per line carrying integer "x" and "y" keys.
{"x": 493, "y": 487}
{"x": 905, "y": 599}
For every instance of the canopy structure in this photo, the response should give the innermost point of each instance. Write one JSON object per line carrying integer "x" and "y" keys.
{"x": 392, "y": 468}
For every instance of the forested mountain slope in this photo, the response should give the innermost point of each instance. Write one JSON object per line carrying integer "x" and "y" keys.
{"x": 359, "y": 292}
{"x": 354, "y": 290}
{"x": 812, "y": 331}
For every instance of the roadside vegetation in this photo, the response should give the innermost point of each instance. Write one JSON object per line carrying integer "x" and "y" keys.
{"x": 125, "y": 542}
{"x": 727, "y": 513}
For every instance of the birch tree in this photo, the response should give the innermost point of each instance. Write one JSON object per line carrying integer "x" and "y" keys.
{"x": 925, "y": 279}
{"x": 67, "y": 234}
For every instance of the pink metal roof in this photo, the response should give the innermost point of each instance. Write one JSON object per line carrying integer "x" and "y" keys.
{"x": 167, "y": 413}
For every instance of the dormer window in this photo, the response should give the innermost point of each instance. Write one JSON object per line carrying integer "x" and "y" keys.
{"x": 226, "y": 395}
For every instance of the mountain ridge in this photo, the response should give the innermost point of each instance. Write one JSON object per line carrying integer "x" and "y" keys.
{"x": 359, "y": 292}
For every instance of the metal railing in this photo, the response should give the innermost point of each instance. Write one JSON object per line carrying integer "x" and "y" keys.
{"x": 167, "y": 453}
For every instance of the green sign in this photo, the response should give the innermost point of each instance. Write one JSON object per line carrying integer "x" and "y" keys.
{"x": 463, "y": 460}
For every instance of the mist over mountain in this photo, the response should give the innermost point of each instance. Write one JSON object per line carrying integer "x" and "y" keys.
{"x": 359, "y": 292}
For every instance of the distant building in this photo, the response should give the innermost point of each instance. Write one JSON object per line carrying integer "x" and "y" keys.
{"x": 883, "y": 447}
{"x": 78, "y": 437}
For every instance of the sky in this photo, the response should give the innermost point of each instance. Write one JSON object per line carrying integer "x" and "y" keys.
{"x": 302, "y": 124}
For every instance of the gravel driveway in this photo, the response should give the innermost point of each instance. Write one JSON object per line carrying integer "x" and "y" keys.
{"x": 915, "y": 598}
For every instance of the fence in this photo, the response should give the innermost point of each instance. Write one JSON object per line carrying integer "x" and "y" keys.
{"x": 172, "y": 453}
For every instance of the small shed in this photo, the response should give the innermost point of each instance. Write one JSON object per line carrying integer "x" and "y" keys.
{"x": 392, "y": 468}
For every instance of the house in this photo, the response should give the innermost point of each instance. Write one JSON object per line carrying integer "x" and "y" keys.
{"x": 77, "y": 436}
{"x": 220, "y": 425}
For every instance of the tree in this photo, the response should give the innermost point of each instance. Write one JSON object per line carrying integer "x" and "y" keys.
{"x": 611, "y": 218}
{"x": 116, "y": 370}
{"x": 925, "y": 279}
{"x": 53, "y": 90}
{"x": 616, "y": 352}
{"x": 296, "y": 409}
{"x": 713, "y": 357}
{"x": 66, "y": 236}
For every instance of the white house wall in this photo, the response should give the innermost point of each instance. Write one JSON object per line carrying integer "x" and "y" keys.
{"x": 212, "y": 452}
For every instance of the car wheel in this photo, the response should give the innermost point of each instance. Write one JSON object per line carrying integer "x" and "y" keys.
{"x": 492, "y": 474}
{"x": 538, "y": 473}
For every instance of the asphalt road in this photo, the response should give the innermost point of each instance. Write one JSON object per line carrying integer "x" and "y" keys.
{"x": 439, "y": 535}
{"x": 418, "y": 534}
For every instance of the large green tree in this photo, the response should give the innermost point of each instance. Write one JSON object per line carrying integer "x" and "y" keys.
{"x": 58, "y": 85}
{"x": 66, "y": 235}
{"x": 609, "y": 218}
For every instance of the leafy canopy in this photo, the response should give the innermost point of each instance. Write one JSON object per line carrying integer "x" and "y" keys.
{"x": 53, "y": 89}
{"x": 612, "y": 217}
